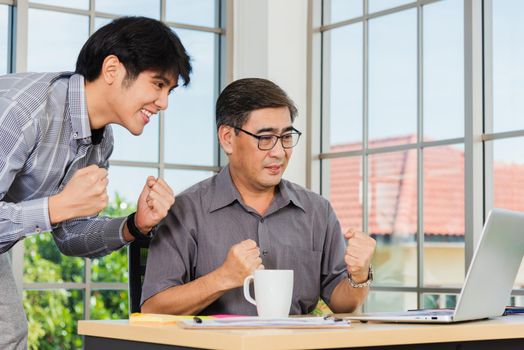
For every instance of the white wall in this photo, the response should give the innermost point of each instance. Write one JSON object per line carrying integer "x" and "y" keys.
{"x": 270, "y": 41}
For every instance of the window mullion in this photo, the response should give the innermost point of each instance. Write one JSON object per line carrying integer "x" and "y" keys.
{"x": 473, "y": 150}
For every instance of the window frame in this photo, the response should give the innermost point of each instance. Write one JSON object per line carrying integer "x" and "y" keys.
{"x": 478, "y": 160}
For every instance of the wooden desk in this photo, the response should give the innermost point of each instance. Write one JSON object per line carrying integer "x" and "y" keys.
{"x": 500, "y": 333}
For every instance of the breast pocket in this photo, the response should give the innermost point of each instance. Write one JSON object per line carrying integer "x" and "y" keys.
{"x": 306, "y": 283}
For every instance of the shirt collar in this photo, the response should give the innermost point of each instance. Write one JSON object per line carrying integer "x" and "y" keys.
{"x": 225, "y": 193}
{"x": 77, "y": 108}
{"x": 289, "y": 195}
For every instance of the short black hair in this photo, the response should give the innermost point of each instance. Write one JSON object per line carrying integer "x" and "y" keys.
{"x": 140, "y": 43}
{"x": 243, "y": 96}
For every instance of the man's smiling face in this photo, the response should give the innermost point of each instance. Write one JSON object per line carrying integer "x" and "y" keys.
{"x": 135, "y": 102}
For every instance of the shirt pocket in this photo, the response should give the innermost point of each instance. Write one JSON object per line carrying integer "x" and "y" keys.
{"x": 306, "y": 265}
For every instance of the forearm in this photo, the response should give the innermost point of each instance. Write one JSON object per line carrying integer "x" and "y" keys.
{"x": 89, "y": 237}
{"x": 189, "y": 298}
{"x": 18, "y": 220}
{"x": 345, "y": 298}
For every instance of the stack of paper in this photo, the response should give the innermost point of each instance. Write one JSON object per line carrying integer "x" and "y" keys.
{"x": 139, "y": 318}
{"x": 257, "y": 322}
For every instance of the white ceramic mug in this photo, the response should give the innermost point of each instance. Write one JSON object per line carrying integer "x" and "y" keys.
{"x": 273, "y": 292}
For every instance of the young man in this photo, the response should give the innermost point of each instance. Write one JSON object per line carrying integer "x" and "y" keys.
{"x": 247, "y": 217}
{"x": 56, "y": 141}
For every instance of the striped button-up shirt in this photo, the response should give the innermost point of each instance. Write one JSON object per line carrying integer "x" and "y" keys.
{"x": 45, "y": 137}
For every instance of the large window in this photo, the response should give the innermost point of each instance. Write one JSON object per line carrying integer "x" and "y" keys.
{"x": 504, "y": 125}
{"x": 75, "y": 288}
{"x": 394, "y": 130}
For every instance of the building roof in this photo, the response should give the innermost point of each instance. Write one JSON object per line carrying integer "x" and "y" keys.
{"x": 392, "y": 189}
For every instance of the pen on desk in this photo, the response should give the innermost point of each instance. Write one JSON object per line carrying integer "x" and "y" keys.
{"x": 197, "y": 319}
{"x": 333, "y": 318}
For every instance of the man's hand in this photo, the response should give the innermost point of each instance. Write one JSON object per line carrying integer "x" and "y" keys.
{"x": 358, "y": 256}
{"x": 84, "y": 195}
{"x": 242, "y": 259}
{"x": 154, "y": 202}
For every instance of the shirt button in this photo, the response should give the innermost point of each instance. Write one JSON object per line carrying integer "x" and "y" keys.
{"x": 75, "y": 135}
{"x": 264, "y": 252}
{"x": 38, "y": 230}
{"x": 262, "y": 220}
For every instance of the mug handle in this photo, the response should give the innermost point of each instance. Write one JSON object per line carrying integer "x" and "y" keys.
{"x": 248, "y": 297}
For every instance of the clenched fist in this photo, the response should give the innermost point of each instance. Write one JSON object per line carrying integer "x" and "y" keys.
{"x": 358, "y": 256}
{"x": 154, "y": 202}
{"x": 242, "y": 259}
{"x": 84, "y": 195}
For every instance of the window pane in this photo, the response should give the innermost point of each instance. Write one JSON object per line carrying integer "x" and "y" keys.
{"x": 146, "y": 8}
{"x": 54, "y": 40}
{"x": 101, "y": 21}
{"x": 392, "y": 193}
{"x": 340, "y": 10}
{"x": 109, "y": 305}
{"x": 190, "y": 115}
{"x": 517, "y": 300}
{"x": 439, "y": 301}
{"x": 110, "y": 268}
{"x": 508, "y": 71}
{"x": 43, "y": 262}
{"x": 114, "y": 267}
{"x": 444, "y": 258}
{"x": 126, "y": 184}
{"x": 393, "y": 77}
{"x": 179, "y": 180}
{"x": 53, "y": 317}
{"x": 144, "y": 147}
{"x": 379, "y": 5}
{"x": 4, "y": 38}
{"x": 345, "y": 190}
{"x": 77, "y": 4}
{"x": 390, "y": 301}
{"x": 343, "y": 87}
{"x": 508, "y": 181}
{"x": 508, "y": 177}
{"x": 196, "y": 12}
{"x": 443, "y": 70}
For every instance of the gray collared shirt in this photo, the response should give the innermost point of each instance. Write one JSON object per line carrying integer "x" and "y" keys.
{"x": 45, "y": 138}
{"x": 300, "y": 231}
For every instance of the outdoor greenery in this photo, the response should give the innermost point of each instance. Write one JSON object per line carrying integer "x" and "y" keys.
{"x": 53, "y": 314}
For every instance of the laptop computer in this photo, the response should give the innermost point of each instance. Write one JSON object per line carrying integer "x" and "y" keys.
{"x": 489, "y": 281}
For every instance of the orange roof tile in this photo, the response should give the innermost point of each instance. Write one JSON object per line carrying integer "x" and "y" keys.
{"x": 392, "y": 189}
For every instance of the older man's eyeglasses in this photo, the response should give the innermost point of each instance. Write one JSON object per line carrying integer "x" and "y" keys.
{"x": 267, "y": 142}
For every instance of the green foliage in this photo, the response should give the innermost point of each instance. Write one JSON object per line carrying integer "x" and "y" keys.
{"x": 52, "y": 317}
{"x": 53, "y": 314}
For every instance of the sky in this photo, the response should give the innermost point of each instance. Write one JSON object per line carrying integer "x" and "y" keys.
{"x": 393, "y": 72}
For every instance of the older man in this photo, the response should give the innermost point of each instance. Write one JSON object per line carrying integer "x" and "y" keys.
{"x": 247, "y": 217}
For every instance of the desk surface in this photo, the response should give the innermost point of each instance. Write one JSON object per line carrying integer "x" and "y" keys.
{"x": 359, "y": 335}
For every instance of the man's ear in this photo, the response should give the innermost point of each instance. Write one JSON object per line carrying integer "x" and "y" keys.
{"x": 111, "y": 67}
{"x": 226, "y": 138}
